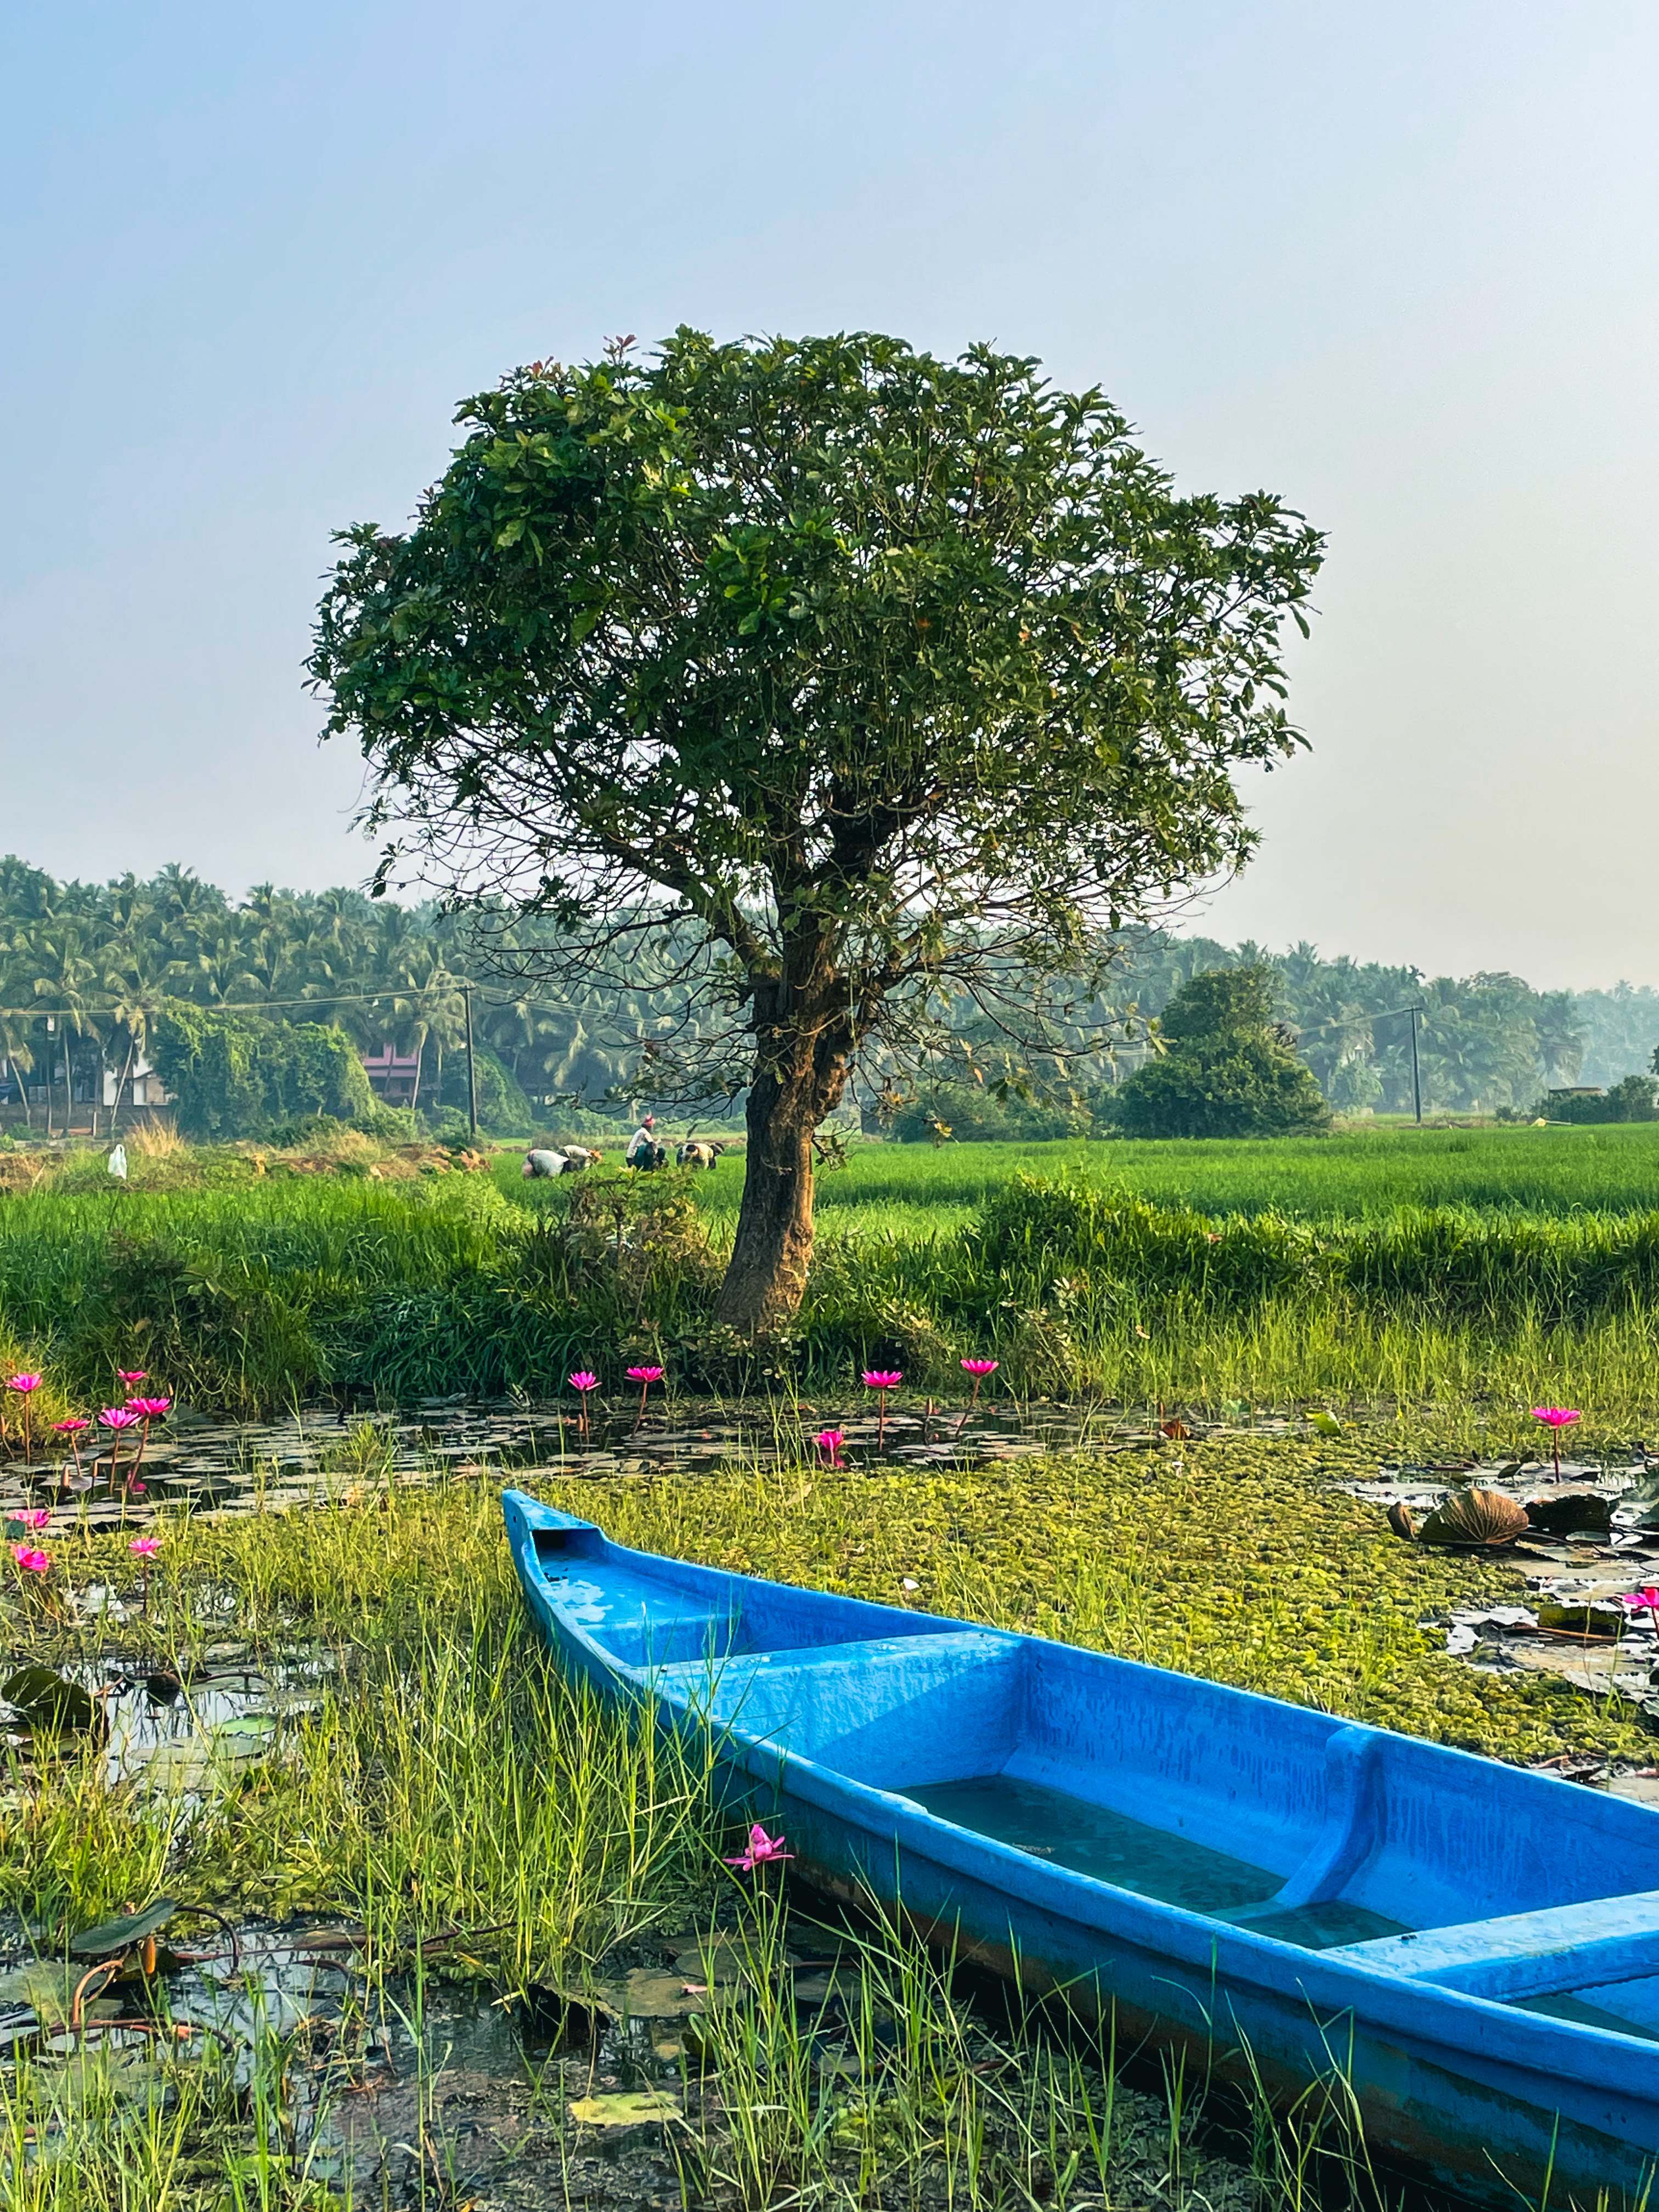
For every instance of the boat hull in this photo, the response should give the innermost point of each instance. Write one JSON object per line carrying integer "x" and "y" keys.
{"x": 1470, "y": 2094}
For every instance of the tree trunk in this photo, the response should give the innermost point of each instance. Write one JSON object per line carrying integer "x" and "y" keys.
{"x": 767, "y": 1274}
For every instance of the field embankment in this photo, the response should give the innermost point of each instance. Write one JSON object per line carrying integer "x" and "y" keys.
{"x": 248, "y": 1297}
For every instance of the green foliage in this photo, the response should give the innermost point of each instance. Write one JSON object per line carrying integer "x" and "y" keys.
{"x": 871, "y": 674}
{"x": 1635, "y": 1099}
{"x": 975, "y": 1113}
{"x": 1227, "y": 1073}
{"x": 503, "y": 1108}
{"x": 235, "y": 1075}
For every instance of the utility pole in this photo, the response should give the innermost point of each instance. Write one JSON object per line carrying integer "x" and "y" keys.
{"x": 1416, "y": 1080}
{"x": 472, "y": 1066}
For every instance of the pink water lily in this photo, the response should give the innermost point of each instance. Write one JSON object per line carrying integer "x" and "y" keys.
{"x": 37, "y": 1517}
{"x": 1555, "y": 1418}
{"x": 645, "y": 1377}
{"x": 145, "y": 1546}
{"x": 829, "y": 1441}
{"x": 30, "y": 1561}
{"x": 1643, "y": 1601}
{"x": 882, "y": 1379}
{"x": 132, "y": 1375}
{"x": 117, "y": 1419}
{"x": 583, "y": 1380}
{"x": 979, "y": 1369}
{"x": 150, "y": 1409}
{"x": 762, "y": 1849}
{"x": 26, "y": 1386}
{"x": 72, "y": 1429}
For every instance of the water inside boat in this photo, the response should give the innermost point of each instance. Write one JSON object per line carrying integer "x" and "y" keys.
{"x": 1112, "y": 1847}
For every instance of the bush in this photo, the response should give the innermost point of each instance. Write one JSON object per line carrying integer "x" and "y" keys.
{"x": 1230, "y": 1070}
{"x": 502, "y": 1106}
{"x": 237, "y": 1074}
{"x": 1632, "y": 1100}
{"x": 973, "y": 1114}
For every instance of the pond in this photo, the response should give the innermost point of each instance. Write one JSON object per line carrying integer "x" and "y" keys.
{"x": 320, "y": 1452}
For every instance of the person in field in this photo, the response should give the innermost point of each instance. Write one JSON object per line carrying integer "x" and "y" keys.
{"x": 643, "y": 1150}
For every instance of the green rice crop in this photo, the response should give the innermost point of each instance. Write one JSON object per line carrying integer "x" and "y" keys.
{"x": 1555, "y": 1170}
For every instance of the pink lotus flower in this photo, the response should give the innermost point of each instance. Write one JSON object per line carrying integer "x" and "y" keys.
{"x": 1643, "y": 1601}
{"x": 26, "y": 1386}
{"x": 645, "y": 1377}
{"x": 150, "y": 1409}
{"x": 762, "y": 1849}
{"x": 1555, "y": 1418}
{"x": 132, "y": 1375}
{"x": 583, "y": 1380}
{"x": 118, "y": 1417}
{"x": 145, "y": 1546}
{"x": 37, "y": 1517}
{"x": 31, "y": 1562}
{"x": 883, "y": 1379}
{"x": 72, "y": 1427}
{"x": 829, "y": 1441}
{"x": 979, "y": 1369}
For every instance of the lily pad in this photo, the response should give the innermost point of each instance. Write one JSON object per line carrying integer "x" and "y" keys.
{"x": 46, "y": 1699}
{"x": 624, "y": 2108}
{"x": 47, "y": 1987}
{"x": 1573, "y": 1513}
{"x": 111, "y": 1936}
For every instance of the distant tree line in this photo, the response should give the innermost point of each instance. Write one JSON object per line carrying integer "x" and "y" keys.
{"x": 109, "y": 966}
{"x": 97, "y": 979}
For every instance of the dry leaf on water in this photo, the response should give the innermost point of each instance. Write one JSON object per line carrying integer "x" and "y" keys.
{"x": 1474, "y": 1516}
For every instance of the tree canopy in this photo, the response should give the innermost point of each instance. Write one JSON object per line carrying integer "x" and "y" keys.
{"x": 890, "y": 676}
{"x": 1230, "y": 1071}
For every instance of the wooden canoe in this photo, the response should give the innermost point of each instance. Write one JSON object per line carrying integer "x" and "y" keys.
{"x": 1475, "y": 1948}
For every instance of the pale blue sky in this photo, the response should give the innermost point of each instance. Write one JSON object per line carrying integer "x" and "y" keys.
{"x": 1397, "y": 263}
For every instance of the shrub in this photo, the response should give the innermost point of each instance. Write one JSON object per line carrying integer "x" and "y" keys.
{"x": 1230, "y": 1070}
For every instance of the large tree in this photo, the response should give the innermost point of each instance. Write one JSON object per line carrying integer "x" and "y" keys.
{"x": 863, "y": 680}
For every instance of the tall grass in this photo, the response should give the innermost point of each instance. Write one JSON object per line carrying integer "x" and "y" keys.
{"x": 249, "y": 1300}
{"x": 440, "y": 1773}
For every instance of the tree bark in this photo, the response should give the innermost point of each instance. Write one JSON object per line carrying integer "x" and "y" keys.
{"x": 767, "y": 1275}
{"x": 805, "y": 1042}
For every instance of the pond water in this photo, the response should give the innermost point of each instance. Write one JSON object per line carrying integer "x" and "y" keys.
{"x": 221, "y": 1468}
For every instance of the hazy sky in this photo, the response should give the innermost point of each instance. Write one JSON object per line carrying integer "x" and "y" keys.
{"x": 1396, "y": 264}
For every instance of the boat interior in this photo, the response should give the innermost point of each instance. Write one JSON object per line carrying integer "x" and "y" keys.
{"x": 1392, "y": 1853}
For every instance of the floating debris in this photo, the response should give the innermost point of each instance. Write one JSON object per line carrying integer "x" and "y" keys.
{"x": 1474, "y": 1516}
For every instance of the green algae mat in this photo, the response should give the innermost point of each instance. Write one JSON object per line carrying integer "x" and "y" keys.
{"x": 1235, "y": 1557}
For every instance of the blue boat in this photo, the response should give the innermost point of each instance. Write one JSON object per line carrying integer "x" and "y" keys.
{"x": 1473, "y": 1948}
